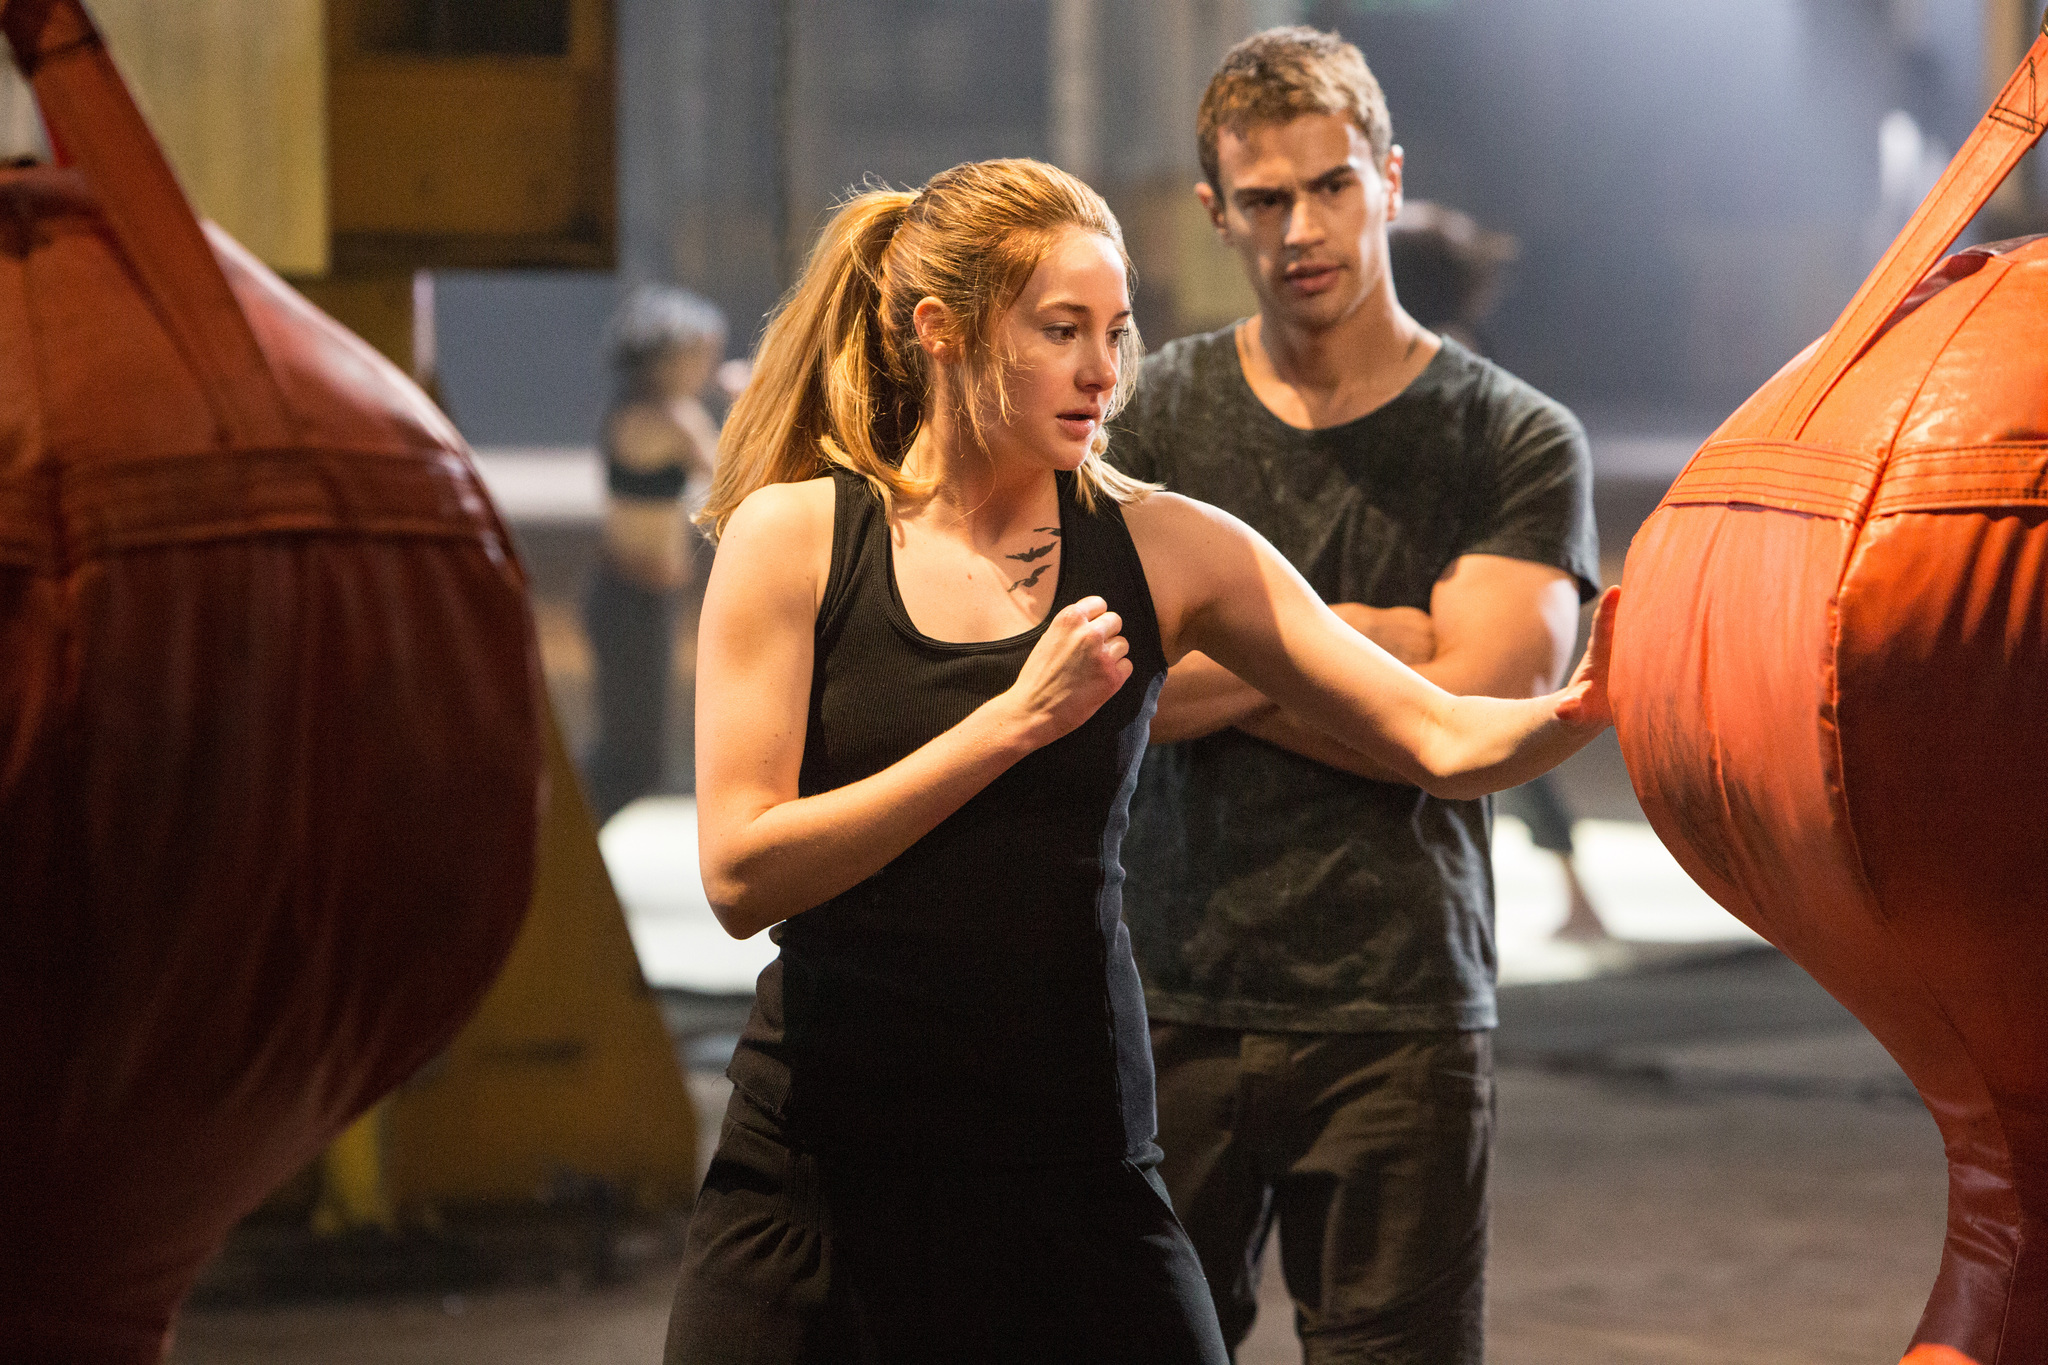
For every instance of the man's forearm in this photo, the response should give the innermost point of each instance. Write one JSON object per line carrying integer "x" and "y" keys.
{"x": 1475, "y": 672}
{"x": 1459, "y": 673}
{"x": 1201, "y": 697}
{"x": 1483, "y": 662}
{"x": 1279, "y": 728}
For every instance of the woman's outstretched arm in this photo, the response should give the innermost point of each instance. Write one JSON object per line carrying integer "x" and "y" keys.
{"x": 1220, "y": 588}
{"x": 767, "y": 853}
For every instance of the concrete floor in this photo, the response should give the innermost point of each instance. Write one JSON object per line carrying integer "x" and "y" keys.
{"x": 1704, "y": 1165}
{"x": 1709, "y": 1228}
{"x": 1631, "y": 1225}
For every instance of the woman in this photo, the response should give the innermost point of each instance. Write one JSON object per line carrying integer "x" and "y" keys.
{"x": 663, "y": 345}
{"x": 931, "y": 644}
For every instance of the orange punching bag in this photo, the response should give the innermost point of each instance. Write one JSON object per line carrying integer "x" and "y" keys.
{"x": 1830, "y": 682}
{"x": 270, "y": 753}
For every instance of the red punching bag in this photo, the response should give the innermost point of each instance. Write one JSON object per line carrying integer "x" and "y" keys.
{"x": 269, "y": 727}
{"x": 1831, "y": 686}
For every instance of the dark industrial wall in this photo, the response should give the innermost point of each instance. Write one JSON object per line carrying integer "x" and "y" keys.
{"x": 1695, "y": 186}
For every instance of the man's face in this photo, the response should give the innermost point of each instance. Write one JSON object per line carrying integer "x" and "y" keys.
{"x": 1302, "y": 203}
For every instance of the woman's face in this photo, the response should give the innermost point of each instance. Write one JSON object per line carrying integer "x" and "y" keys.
{"x": 1061, "y": 340}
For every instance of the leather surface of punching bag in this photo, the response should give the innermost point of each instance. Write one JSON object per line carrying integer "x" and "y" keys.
{"x": 1831, "y": 687}
{"x": 270, "y": 755}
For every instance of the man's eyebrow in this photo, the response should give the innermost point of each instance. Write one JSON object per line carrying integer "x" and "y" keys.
{"x": 1316, "y": 182}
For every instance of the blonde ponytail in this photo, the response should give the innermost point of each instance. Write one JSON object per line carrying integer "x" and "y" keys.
{"x": 840, "y": 378}
{"x": 817, "y": 392}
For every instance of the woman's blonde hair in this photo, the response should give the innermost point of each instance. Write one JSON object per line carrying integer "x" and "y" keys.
{"x": 841, "y": 379}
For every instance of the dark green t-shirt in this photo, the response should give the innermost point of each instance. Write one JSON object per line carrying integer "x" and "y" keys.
{"x": 1266, "y": 890}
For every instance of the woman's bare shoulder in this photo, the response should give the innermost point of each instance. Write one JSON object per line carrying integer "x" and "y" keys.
{"x": 783, "y": 532}
{"x": 1182, "y": 544}
{"x": 1171, "y": 520}
{"x": 784, "y": 509}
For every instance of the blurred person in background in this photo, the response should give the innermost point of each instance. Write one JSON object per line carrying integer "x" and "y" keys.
{"x": 663, "y": 346}
{"x": 1449, "y": 270}
{"x": 1315, "y": 931}
{"x": 932, "y": 640}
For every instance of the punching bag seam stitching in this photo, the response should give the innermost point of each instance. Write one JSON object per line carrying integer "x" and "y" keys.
{"x": 2029, "y": 448}
{"x": 2029, "y": 494}
{"x": 1813, "y": 448}
{"x": 59, "y": 543}
{"x": 2019, "y": 1241}
{"x": 2017, "y": 119}
{"x": 2004, "y": 268}
{"x": 1727, "y": 478}
{"x": 2024, "y": 465}
{"x": 1729, "y": 452}
{"x": 1883, "y": 921}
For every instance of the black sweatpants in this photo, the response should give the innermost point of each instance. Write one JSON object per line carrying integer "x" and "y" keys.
{"x": 1539, "y": 804}
{"x": 1371, "y": 1150}
{"x": 793, "y": 1260}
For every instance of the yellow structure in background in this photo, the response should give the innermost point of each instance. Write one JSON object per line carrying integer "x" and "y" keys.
{"x": 236, "y": 91}
{"x": 564, "y": 1076}
{"x": 475, "y": 134}
{"x": 351, "y": 1191}
{"x": 352, "y": 144}
{"x": 566, "y": 1069}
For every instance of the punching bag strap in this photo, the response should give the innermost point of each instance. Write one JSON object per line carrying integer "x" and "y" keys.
{"x": 2013, "y": 125}
{"x": 96, "y": 126}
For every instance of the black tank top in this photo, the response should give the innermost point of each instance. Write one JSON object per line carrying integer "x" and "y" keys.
{"x": 975, "y": 1000}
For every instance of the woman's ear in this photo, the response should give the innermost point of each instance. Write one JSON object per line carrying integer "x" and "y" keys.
{"x": 934, "y": 324}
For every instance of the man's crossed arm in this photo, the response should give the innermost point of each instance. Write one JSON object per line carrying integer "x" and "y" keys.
{"x": 1496, "y": 627}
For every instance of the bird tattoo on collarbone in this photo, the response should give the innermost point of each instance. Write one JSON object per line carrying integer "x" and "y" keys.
{"x": 1035, "y": 553}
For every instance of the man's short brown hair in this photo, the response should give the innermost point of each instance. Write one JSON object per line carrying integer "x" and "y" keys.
{"x": 1283, "y": 73}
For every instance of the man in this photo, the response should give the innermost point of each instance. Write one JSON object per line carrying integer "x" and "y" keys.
{"x": 1316, "y": 937}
